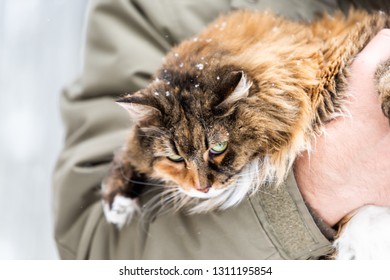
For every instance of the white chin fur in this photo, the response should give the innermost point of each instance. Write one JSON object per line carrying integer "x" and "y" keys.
{"x": 230, "y": 196}
{"x": 366, "y": 235}
{"x": 197, "y": 194}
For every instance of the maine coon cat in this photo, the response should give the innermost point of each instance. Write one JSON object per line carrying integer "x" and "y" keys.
{"x": 230, "y": 109}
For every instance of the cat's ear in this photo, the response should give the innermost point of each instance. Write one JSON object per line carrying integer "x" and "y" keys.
{"x": 139, "y": 107}
{"x": 235, "y": 87}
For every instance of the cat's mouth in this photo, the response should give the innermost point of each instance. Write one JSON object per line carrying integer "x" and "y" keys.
{"x": 212, "y": 192}
{"x": 241, "y": 185}
{"x": 235, "y": 189}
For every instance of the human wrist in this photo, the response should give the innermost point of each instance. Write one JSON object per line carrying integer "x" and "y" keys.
{"x": 306, "y": 185}
{"x": 323, "y": 191}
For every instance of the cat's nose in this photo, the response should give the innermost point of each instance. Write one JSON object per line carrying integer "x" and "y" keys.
{"x": 205, "y": 189}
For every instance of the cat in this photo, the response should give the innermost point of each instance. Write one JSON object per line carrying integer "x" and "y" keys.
{"x": 230, "y": 109}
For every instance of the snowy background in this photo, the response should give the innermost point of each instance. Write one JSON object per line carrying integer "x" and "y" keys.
{"x": 40, "y": 52}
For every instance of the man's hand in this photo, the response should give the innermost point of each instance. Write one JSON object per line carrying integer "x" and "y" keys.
{"x": 350, "y": 164}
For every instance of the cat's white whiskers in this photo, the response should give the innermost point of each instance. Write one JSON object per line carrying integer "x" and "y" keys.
{"x": 147, "y": 183}
{"x": 161, "y": 203}
{"x": 123, "y": 174}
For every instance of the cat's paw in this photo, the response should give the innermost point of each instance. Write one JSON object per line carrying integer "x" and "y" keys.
{"x": 366, "y": 235}
{"x": 121, "y": 211}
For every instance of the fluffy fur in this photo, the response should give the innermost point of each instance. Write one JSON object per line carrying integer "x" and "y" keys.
{"x": 230, "y": 109}
{"x": 364, "y": 235}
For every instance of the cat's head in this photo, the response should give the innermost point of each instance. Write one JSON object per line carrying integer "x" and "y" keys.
{"x": 205, "y": 133}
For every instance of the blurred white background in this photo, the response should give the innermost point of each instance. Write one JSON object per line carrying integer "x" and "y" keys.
{"x": 40, "y": 52}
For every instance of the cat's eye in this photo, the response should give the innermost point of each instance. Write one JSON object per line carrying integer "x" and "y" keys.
{"x": 219, "y": 148}
{"x": 175, "y": 158}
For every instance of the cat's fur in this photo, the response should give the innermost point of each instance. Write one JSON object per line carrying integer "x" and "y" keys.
{"x": 260, "y": 83}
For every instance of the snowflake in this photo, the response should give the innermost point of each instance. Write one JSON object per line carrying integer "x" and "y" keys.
{"x": 199, "y": 66}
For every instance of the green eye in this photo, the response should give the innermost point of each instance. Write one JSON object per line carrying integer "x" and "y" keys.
{"x": 219, "y": 148}
{"x": 175, "y": 158}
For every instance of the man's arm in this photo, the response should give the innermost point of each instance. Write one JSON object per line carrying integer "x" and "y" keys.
{"x": 350, "y": 163}
{"x": 125, "y": 43}
{"x": 95, "y": 125}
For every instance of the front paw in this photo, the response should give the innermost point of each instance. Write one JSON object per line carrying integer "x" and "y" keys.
{"x": 121, "y": 210}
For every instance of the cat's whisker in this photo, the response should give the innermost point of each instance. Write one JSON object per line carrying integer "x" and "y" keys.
{"x": 159, "y": 204}
{"x": 154, "y": 190}
{"x": 164, "y": 202}
{"x": 123, "y": 173}
{"x": 145, "y": 183}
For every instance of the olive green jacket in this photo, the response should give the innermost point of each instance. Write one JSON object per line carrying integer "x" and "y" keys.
{"x": 125, "y": 43}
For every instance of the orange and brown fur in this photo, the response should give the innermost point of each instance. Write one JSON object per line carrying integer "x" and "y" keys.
{"x": 258, "y": 86}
